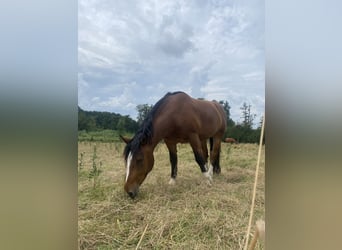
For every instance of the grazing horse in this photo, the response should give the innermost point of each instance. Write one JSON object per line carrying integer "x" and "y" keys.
{"x": 176, "y": 118}
{"x": 230, "y": 140}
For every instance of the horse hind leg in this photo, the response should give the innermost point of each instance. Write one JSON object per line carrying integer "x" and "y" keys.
{"x": 215, "y": 155}
{"x": 211, "y": 140}
{"x": 216, "y": 164}
{"x": 205, "y": 150}
{"x": 197, "y": 147}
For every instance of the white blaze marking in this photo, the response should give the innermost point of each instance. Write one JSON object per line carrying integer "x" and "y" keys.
{"x": 129, "y": 160}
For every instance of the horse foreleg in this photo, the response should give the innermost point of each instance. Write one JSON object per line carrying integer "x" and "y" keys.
{"x": 173, "y": 160}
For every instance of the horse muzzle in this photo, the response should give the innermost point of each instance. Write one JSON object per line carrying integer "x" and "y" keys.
{"x": 132, "y": 192}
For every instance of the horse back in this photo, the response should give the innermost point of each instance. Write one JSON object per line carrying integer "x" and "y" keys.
{"x": 182, "y": 115}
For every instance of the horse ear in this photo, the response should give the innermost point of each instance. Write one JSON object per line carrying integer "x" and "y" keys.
{"x": 125, "y": 139}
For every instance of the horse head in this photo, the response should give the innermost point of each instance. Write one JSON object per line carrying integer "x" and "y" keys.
{"x": 139, "y": 162}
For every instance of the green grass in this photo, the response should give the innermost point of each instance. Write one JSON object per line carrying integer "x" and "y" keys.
{"x": 189, "y": 215}
{"x": 99, "y": 136}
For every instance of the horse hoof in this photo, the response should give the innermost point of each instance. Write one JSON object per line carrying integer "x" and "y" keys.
{"x": 172, "y": 181}
{"x": 209, "y": 182}
{"x": 209, "y": 176}
{"x": 217, "y": 170}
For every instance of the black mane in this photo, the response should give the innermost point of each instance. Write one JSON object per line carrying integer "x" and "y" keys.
{"x": 145, "y": 132}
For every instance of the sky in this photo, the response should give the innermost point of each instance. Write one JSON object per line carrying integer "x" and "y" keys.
{"x": 134, "y": 52}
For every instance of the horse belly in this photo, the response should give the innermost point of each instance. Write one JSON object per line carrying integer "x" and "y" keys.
{"x": 178, "y": 136}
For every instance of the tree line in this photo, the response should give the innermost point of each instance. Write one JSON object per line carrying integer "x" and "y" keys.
{"x": 243, "y": 132}
{"x": 96, "y": 121}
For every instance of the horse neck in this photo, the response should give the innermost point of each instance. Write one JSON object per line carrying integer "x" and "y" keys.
{"x": 154, "y": 141}
{"x": 158, "y": 134}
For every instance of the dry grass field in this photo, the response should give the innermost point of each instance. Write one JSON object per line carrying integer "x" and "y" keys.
{"x": 189, "y": 215}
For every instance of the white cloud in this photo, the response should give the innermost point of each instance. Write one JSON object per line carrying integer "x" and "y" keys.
{"x": 254, "y": 76}
{"x": 91, "y": 58}
{"x": 134, "y": 52}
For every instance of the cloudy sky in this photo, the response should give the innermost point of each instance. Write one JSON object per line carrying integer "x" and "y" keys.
{"x": 134, "y": 52}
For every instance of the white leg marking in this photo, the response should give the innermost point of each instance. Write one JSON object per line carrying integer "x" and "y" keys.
{"x": 129, "y": 160}
{"x": 210, "y": 171}
{"x": 172, "y": 181}
{"x": 209, "y": 175}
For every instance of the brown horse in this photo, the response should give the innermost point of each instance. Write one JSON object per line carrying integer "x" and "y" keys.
{"x": 230, "y": 140}
{"x": 176, "y": 118}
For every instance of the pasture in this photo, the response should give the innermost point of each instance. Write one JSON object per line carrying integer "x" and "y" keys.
{"x": 188, "y": 215}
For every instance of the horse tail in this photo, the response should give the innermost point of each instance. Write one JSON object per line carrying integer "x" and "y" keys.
{"x": 211, "y": 141}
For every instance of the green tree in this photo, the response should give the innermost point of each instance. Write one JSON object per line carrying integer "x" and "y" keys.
{"x": 95, "y": 120}
{"x": 132, "y": 126}
{"x": 226, "y": 108}
{"x": 258, "y": 131}
{"x": 85, "y": 122}
{"x": 247, "y": 117}
{"x": 143, "y": 110}
{"x": 244, "y": 131}
{"x": 230, "y": 122}
{"x": 260, "y": 123}
{"x": 121, "y": 126}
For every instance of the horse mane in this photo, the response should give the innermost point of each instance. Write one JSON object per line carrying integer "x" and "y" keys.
{"x": 145, "y": 132}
